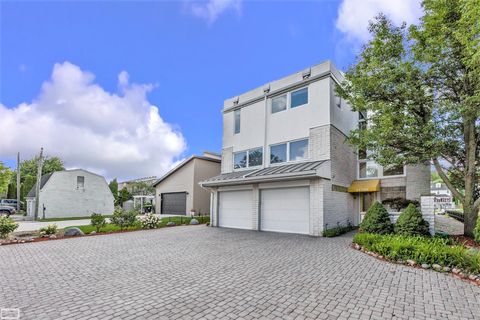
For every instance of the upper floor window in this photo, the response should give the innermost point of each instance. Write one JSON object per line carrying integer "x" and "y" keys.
{"x": 289, "y": 151}
{"x": 247, "y": 159}
{"x": 293, "y": 99}
{"x": 279, "y": 103}
{"x": 370, "y": 169}
{"x": 80, "y": 182}
{"x": 394, "y": 170}
{"x": 299, "y": 97}
{"x": 237, "y": 121}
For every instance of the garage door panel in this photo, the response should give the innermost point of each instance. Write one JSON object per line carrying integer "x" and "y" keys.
{"x": 174, "y": 203}
{"x": 235, "y": 209}
{"x": 286, "y": 210}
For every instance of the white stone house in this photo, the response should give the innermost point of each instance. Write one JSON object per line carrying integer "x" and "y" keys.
{"x": 71, "y": 193}
{"x": 286, "y": 166}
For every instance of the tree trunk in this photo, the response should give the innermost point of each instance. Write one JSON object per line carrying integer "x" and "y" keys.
{"x": 470, "y": 216}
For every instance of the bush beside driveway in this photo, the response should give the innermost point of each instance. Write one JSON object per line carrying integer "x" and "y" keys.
{"x": 201, "y": 272}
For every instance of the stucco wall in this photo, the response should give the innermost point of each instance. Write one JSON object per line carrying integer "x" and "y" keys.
{"x": 61, "y": 197}
{"x": 203, "y": 169}
{"x": 418, "y": 181}
{"x": 179, "y": 181}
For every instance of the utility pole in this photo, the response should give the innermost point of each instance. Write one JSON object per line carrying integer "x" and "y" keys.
{"x": 18, "y": 182}
{"x": 37, "y": 187}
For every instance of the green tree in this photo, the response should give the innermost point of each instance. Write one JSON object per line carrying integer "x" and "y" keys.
{"x": 123, "y": 196}
{"x": 5, "y": 176}
{"x": 411, "y": 223}
{"x": 376, "y": 220}
{"x": 419, "y": 88}
{"x": 113, "y": 185}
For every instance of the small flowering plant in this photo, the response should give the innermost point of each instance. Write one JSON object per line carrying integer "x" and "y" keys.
{"x": 151, "y": 221}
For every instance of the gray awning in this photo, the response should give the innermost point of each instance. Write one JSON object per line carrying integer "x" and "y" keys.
{"x": 276, "y": 172}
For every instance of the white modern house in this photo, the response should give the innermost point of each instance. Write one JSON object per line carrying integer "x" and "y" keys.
{"x": 286, "y": 166}
{"x": 71, "y": 193}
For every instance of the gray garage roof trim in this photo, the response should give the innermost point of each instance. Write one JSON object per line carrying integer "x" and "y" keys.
{"x": 303, "y": 169}
{"x": 169, "y": 173}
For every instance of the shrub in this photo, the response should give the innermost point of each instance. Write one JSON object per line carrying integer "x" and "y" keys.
{"x": 376, "y": 220}
{"x": 7, "y": 226}
{"x": 337, "y": 231}
{"x": 433, "y": 250}
{"x": 48, "y": 230}
{"x": 151, "y": 221}
{"x": 399, "y": 204}
{"x": 124, "y": 219}
{"x": 98, "y": 221}
{"x": 476, "y": 231}
{"x": 411, "y": 223}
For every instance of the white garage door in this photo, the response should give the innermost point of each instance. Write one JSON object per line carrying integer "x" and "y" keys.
{"x": 285, "y": 210}
{"x": 235, "y": 209}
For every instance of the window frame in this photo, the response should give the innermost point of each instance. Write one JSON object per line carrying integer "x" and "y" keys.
{"x": 288, "y": 152}
{"x": 288, "y": 95}
{"x": 247, "y": 159}
{"x": 380, "y": 168}
{"x": 83, "y": 183}
{"x": 235, "y": 113}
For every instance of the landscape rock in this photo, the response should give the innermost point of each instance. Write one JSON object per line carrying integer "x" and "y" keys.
{"x": 436, "y": 267}
{"x": 411, "y": 262}
{"x": 472, "y": 277}
{"x": 93, "y": 232}
{"x": 170, "y": 224}
{"x": 425, "y": 266}
{"x": 456, "y": 270}
{"x": 193, "y": 221}
{"x": 446, "y": 269}
{"x": 52, "y": 236}
{"x": 73, "y": 231}
{"x": 400, "y": 261}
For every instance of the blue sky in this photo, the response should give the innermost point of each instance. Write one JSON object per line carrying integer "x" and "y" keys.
{"x": 183, "y": 57}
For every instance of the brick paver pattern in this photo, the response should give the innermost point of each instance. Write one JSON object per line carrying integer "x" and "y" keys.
{"x": 200, "y": 272}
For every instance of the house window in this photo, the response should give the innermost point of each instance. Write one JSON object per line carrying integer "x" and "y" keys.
{"x": 290, "y": 151}
{"x": 395, "y": 170}
{"x": 237, "y": 121}
{"x": 298, "y": 150}
{"x": 80, "y": 182}
{"x": 240, "y": 160}
{"x": 299, "y": 98}
{"x": 255, "y": 157}
{"x": 367, "y": 169}
{"x": 278, "y": 153}
{"x": 247, "y": 159}
{"x": 279, "y": 103}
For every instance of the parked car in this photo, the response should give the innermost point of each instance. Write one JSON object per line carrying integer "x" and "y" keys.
{"x": 10, "y": 203}
{"x": 7, "y": 210}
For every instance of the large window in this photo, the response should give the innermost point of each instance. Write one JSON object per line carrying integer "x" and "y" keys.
{"x": 299, "y": 97}
{"x": 249, "y": 158}
{"x": 289, "y": 151}
{"x": 394, "y": 170}
{"x": 237, "y": 121}
{"x": 278, "y": 153}
{"x": 293, "y": 99}
{"x": 367, "y": 169}
{"x": 299, "y": 150}
{"x": 279, "y": 103}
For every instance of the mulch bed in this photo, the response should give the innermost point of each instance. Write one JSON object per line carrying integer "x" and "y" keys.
{"x": 466, "y": 241}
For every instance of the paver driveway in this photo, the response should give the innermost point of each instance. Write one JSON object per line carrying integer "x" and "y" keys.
{"x": 211, "y": 273}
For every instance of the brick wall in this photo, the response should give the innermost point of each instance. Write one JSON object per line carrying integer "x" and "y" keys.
{"x": 319, "y": 143}
{"x": 227, "y": 158}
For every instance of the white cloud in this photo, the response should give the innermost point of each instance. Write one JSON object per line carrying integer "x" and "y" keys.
{"x": 354, "y": 15}
{"x": 118, "y": 135}
{"x": 210, "y": 10}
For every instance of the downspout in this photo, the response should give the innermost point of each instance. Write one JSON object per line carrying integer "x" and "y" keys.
{"x": 266, "y": 90}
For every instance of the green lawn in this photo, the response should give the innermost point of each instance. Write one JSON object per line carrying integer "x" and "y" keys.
{"x": 68, "y": 218}
{"x": 112, "y": 228}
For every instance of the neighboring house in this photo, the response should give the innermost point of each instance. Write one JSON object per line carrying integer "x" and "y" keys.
{"x": 71, "y": 193}
{"x": 443, "y": 196}
{"x": 286, "y": 166}
{"x": 178, "y": 191}
{"x": 131, "y": 185}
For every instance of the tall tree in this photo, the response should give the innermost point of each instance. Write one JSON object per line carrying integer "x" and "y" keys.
{"x": 113, "y": 185}
{"x": 5, "y": 176}
{"x": 123, "y": 196}
{"x": 420, "y": 90}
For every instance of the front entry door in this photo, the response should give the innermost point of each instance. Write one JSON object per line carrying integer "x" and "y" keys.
{"x": 366, "y": 201}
